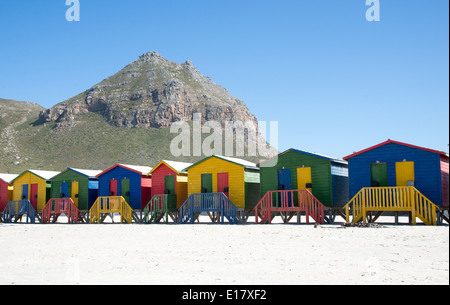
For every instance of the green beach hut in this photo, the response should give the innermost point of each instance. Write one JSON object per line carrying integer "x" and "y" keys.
{"x": 79, "y": 184}
{"x": 325, "y": 177}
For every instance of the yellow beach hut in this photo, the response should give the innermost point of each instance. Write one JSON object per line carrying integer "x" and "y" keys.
{"x": 35, "y": 186}
{"x": 238, "y": 179}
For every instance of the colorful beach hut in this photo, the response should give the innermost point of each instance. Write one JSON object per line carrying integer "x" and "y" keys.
{"x": 395, "y": 168}
{"x": 79, "y": 184}
{"x": 325, "y": 177}
{"x": 170, "y": 178}
{"x": 238, "y": 179}
{"x": 35, "y": 186}
{"x": 6, "y": 189}
{"x": 169, "y": 190}
{"x": 293, "y": 178}
{"x": 132, "y": 182}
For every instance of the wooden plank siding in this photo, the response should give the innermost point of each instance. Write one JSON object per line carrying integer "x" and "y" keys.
{"x": 252, "y": 179}
{"x": 252, "y": 194}
{"x": 427, "y": 167}
{"x": 182, "y": 189}
{"x": 6, "y": 189}
{"x": 4, "y": 186}
{"x": 444, "y": 181}
{"x": 339, "y": 184}
{"x": 146, "y": 191}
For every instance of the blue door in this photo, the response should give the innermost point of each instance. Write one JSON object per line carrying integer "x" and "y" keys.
{"x": 284, "y": 183}
{"x": 64, "y": 190}
{"x": 24, "y": 192}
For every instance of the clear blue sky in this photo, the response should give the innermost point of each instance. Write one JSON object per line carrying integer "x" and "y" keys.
{"x": 335, "y": 82}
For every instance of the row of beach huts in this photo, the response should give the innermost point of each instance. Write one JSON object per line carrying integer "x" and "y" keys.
{"x": 392, "y": 177}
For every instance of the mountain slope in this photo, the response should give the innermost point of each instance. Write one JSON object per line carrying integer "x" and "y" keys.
{"x": 13, "y": 114}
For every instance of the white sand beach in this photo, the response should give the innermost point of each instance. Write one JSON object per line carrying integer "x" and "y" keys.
{"x": 223, "y": 254}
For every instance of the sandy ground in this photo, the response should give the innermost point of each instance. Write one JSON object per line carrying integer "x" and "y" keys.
{"x": 205, "y": 254}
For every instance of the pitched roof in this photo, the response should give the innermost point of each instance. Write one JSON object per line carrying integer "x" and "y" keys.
{"x": 85, "y": 172}
{"x": 241, "y": 162}
{"x": 314, "y": 154}
{"x": 179, "y": 167}
{"x": 8, "y": 177}
{"x": 395, "y": 142}
{"x": 238, "y": 161}
{"x": 47, "y": 175}
{"x": 320, "y": 156}
{"x": 143, "y": 170}
{"x": 311, "y": 154}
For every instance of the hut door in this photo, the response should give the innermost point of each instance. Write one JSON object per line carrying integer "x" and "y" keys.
{"x": 405, "y": 173}
{"x": 170, "y": 192}
{"x": 379, "y": 175}
{"x": 34, "y": 196}
{"x": 222, "y": 184}
{"x": 64, "y": 190}
{"x": 146, "y": 191}
{"x": 284, "y": 183}
{"x": 207, "y": 183}
{"x": 75, "y": 192}
{"x": 284, "y": 179}
{"x": 304, "y": 181}
{"x": 125, "y": 189}
{"x": 24, "y": 192}
{"x": 113, "y": 188}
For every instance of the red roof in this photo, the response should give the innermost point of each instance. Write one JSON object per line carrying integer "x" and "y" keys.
{"x": 395, "y": 142}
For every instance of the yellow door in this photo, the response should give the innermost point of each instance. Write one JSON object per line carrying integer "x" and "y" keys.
{"x": 304, "y": 178}
{"x": 74, "y": 193}
{"x": 404, "y": 172}
{"x": 10, "y": 193}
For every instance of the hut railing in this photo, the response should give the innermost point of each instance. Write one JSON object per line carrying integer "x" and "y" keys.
{"x": 58, "y": 206}
{"x": 19, "y": 208}
{"x": 157, "y": 205}
{"x": 263, "y": 209}
{"x": 394, "y": 199}
{"x": 110, "y": 205}
{"x": 289, "y": 201}
{"x": 211, "y": 202}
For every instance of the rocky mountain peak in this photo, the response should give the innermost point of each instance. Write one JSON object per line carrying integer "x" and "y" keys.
{"x": 189, "y": 64}
{"x": 151, "y": 56}
{"x": 151, "y": 92}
